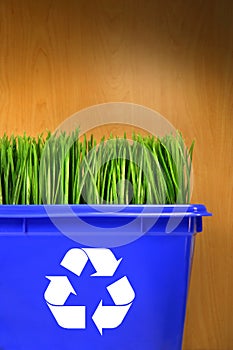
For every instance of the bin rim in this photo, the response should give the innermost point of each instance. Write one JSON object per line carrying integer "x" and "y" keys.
{"x": 102, "y": 210}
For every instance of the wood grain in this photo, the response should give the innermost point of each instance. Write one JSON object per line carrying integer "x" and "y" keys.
{"x": 176, "y": 57}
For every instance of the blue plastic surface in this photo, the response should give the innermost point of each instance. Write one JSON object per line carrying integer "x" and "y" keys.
{"x": 156, "y": 270}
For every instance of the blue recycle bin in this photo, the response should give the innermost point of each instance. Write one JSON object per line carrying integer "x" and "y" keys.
{"x": 56, "y": 293}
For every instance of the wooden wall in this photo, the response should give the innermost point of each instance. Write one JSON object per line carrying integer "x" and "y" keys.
{"x": 58, "y": 56}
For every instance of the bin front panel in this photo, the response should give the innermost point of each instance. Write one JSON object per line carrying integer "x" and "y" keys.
{"x": 157, "y": 269}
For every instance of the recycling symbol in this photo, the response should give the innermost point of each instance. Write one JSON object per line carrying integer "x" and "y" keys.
{"x": 104, "y": 316}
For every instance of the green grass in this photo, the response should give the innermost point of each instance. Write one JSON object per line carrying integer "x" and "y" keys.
{"x": 60, "y": 169}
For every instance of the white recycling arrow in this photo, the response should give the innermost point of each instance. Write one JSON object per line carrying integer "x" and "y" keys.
{"x": 70, "y": 317}
{"x": 75, "y": 260}
{"x": 58, "y": 290}
{"x": 103, "y": 261}
{"x": 109, "y": 316}
{"x": 123, "y": 295}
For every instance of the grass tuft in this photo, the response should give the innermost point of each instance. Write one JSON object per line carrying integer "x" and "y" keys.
{"x": 62, "y": 169}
